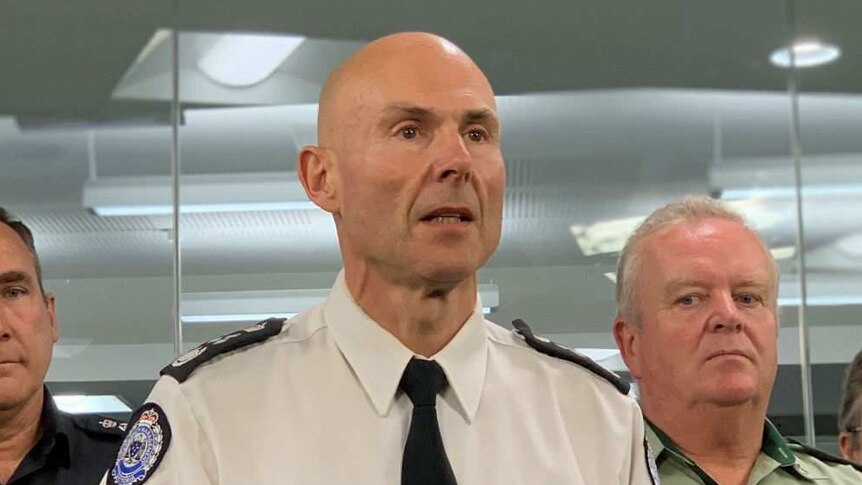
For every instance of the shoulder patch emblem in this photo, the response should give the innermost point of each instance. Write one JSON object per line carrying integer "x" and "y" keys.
{"x": 548, "y": 347}
{"x": 186, "y": 364}
{"x": 144, "y": 447}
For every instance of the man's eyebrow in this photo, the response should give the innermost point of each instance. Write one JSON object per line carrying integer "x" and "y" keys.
{"x": 15, "y": 277}
{"x": 682, "y": 282}
{"x": 678, "y": 283}
{"x": 480, "y": 116}
{"x": 411, "y": 110}
{"x": 756, "y": 283}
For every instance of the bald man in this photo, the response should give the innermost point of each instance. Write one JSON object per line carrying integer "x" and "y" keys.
{"x": 397, "y": 377}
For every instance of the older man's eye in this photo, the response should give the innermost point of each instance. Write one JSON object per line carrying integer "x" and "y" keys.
{"x": 688, "y": 300}
{"x": 748, "y": 299}
{"x": 408, "y": 132}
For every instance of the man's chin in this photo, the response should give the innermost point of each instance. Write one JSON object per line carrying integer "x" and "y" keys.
{"x": 449, "y": 275}
{"x": 733, "y": 395}
{"x": 446, "y": 267}
{"x": 9, "y": 401}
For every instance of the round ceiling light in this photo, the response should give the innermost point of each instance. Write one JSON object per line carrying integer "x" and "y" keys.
{"x": 808, "y": 53}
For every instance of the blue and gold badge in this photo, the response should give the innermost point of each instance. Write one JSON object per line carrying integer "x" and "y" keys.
{"x": 144, "y": 446}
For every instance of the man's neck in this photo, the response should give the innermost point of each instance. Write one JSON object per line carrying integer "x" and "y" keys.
{"x": 424, "y": 316}
{"x": 724, "y": 441}
{"x": 19, "y": 432}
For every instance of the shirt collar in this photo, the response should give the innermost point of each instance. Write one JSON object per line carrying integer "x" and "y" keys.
{"x": 55, "y": 431}
{"x": 774, "y": 445}
{"x": 379, "y": 359}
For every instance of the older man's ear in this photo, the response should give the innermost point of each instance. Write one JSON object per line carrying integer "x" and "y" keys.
{"x": 628, "y": 341}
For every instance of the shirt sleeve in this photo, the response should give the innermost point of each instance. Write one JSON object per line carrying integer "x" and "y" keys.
{"x": 165, "y": 443}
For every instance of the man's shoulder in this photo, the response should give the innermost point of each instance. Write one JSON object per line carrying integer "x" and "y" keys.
{"x": 239, "y": 347}
{"x": 522, "y": 337}
{"x": 822, "y": 464}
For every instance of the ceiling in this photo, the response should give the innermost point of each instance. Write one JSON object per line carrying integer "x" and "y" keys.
{"x": 609, "y": 109}
{"x": 68, "y": 58}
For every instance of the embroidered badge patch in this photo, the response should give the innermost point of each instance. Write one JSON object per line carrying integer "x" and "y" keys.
{"x": 142, "y": 450}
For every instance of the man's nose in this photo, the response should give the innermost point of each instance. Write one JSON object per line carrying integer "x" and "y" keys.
{"x": 725, "y": 314}
{"x": 453, "y": 161}
{"x": 5, "y": 327}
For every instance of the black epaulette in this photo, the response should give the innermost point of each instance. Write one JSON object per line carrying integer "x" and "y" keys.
{"x": 548, "y": 347}
{"x": 95, "y": 423}
{"x": 824, "y": 456}
{"x": 186, "y": 364}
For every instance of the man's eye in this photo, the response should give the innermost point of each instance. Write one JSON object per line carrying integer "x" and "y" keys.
{"x": 14, "y": 293}
{"x": 477, "y": 136}
{"x": 747, "y": 299}
{"x": 408, "y": 132}
{"x": 688, "y": 300}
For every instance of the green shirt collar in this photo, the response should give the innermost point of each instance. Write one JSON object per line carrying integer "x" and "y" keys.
{"x": 774, "y": 446}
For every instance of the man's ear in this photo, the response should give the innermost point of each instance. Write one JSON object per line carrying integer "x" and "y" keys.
{"x": 318, "y": 176}
{"x": 845, "y": 445}
{"x": 628, "y": 341}
{"x": 49, "y": 304}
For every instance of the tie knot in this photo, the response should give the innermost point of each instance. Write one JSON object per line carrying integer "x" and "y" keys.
{"x": 422, "y": 381}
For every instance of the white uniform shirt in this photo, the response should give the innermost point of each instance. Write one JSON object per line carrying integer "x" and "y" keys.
{"x": 319, "y": 404}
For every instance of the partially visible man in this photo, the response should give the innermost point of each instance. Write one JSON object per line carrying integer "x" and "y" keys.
{"x": 38, "y": 443}
{"x": 697, "y": 292}
{"x": 397, "y": 377}
{"x": 850, "y": 414}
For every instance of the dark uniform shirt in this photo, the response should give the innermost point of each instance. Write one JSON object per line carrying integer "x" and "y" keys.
{"x": 74, "y": 449}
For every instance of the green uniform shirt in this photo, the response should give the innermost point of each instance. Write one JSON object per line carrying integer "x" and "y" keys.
{"x": 779, "y": 462}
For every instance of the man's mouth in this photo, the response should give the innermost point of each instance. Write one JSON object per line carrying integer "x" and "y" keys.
{"x": 728, "y": 353}
{"x": 448, "y": 215}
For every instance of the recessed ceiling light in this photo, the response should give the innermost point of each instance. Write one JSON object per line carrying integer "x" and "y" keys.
{"x": 242, "y": 60}
{"x": 807, "y": 53}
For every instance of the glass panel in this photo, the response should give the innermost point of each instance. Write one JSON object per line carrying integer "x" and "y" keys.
{"x": 68, "y": 137}
{"x": 609, "y": 111}
{"x": 830, "y": 112}
{"x": 250, "y": 237}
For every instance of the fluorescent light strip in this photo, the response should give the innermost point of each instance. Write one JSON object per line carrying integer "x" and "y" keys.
{"x": 786, "y": 192}
{"x": 238, "y": 317}
{"x": 86, "y": 404}
{"x": 252, "y": 317}
{"x": 159, "y": 210}
{"x": 199, "y": 193}
{"x": 257, "y": 305}
{"x": 839, "y": 300}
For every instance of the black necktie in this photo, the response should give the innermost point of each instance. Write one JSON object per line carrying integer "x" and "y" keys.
{"x": 425, "y": 461}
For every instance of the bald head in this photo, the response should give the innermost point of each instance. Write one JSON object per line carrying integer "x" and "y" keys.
{"x": 408, "y": 127}
{"x": 385, "y": 66}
